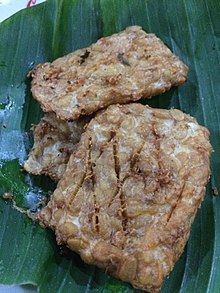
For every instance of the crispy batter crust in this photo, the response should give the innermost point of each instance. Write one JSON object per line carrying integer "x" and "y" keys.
{"x": 131, "y": 191}
{"x": 117, "y": 69}
{"x": 54, "y": 142}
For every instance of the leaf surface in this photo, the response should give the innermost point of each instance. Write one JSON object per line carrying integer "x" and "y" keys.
{"x": 28, "y": 253}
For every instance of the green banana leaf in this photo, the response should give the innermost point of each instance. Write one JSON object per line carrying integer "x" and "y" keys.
{"x": 28, "y": 253}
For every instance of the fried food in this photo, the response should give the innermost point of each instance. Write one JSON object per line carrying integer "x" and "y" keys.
{"x": 120, "y": 68}
{"x": 54, "y": 142}
{"x": 131, "y": 190}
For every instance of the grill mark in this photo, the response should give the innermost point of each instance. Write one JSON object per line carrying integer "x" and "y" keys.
{"x": 156, "y": 143}
{"x": 135, "y": 157}
{"x": 91, "y": 176}
{"x": 116, "y": 161}
{"x": 123, "y": 211}
{"x": 116, "y": 165}
{"x": 133, "y": 160}
{"x": 106, "y": 144}
{"x": 119, "y": 192}
{"x": 157, "y": 146}
{"x": 174, "y": 207}
{"x": 80, "y": 184}
{"x": 119, "y": 185}
{"x": 77, "y": 188}
{"x": 97, "y": 219}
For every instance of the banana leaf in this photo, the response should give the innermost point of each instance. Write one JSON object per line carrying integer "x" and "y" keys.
{"x": 28, "y": 253}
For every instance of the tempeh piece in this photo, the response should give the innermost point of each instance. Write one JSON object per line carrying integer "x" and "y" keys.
{"x": 54, "y": 142}
{"x": 121, "y": 68}
{"x": 131, "y": 190}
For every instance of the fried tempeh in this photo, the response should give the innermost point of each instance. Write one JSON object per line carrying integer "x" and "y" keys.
{"x": 54, "y": 142}
{"x": 121, "y": 68}
{"x": 131, "y": 190}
